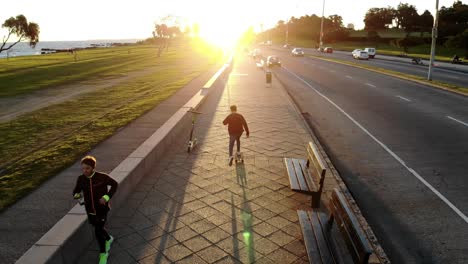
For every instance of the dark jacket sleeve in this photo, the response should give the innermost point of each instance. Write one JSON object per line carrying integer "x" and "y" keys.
{"x": 78, "y": 187}
{"x": 246, "y": 127}
{"x": 226, "y": 120}
{"x": 113, "y": 184}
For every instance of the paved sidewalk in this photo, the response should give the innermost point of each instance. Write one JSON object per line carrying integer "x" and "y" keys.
{"x": 25, "y": 222}
{"x": 194, "y": 208}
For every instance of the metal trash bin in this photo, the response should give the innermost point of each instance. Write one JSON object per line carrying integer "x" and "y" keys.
{"x": 268, "y": 77}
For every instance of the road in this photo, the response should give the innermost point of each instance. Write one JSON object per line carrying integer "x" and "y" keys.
{"x": 402, "y": 149}
{"x": 458, "y": 78}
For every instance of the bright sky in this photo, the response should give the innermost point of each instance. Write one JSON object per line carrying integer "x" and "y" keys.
{"x": 124, "y": 19}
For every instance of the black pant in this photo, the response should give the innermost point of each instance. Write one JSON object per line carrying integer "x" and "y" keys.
{"x": 234, "y": 138}
{"x": 98, "y": 221}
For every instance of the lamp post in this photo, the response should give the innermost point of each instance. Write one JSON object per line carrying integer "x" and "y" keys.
{"x": 433, "y": 45}
{"x": 321, "y": 26}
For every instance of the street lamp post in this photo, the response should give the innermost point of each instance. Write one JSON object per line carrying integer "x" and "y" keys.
{"x": 321, "y": 26}
{"x": 433, "y": 45}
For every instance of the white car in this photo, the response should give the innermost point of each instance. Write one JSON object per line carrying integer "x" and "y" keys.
{"x": 371, "y": 52}
{"x": 297, "y": 52}
{"x": 360, "y": 54}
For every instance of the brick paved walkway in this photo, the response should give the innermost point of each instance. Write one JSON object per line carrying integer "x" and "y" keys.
{"x": 194, "y": 208}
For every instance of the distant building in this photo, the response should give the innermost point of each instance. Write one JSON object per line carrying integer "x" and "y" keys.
{"x": 350, "y": 26}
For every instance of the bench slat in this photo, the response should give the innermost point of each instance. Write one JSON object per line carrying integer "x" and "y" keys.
{"x": 309, "y": 237}
{"x": 308, "y": 177}
{"x": 315, "y": 158}
{"x": 300, "y": 176}
{"x": 354, "y": 235}
{"x": 313, "y": 152}
{"x": 319, "y": 234}
{"x": 292, "y": 174}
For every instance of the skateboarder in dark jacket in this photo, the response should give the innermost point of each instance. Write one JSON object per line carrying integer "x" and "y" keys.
{"x": 93, "y": 186}
{"x": 236, "y": 125}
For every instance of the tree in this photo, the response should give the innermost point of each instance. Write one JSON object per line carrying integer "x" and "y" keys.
{"x": 426, "y": 21}
{"x": 336, "y": 21}
{"x": 453, "y": 20}
{"x": 19, "y": 26}
{"x": 379, "y": 18}
{"x": 406, "y": 17}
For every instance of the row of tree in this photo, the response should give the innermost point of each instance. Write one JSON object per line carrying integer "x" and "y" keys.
{"x": 404, "y": 17}
{"x": 452, "y": 28}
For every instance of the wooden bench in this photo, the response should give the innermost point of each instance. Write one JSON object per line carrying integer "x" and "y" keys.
{"x": 301, "y": 173}
{"x": 317, "y": 232}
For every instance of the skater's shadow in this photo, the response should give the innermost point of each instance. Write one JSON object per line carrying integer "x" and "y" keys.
{"x": 245, "y": 215}
{"x": 241, "y": 175}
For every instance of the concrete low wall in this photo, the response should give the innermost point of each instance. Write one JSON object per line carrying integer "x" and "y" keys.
{"x": 71, "y": 235}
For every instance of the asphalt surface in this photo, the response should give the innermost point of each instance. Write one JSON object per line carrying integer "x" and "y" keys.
{"x": 402, "y": 149}
{"x": 458, "y": 78}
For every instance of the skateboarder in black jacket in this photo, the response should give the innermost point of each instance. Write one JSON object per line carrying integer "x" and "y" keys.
{"x": 236, "y": 125}
{"x": 94, "y": 187}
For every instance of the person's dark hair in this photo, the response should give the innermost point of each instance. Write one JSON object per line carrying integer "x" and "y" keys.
{"x": 89, "y": 160}
{"x": 233, "y": 108}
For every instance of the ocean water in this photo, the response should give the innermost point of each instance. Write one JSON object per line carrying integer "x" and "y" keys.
{"x": 23, "y": 49}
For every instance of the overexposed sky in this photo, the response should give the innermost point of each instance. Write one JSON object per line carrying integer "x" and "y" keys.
{"x": 124, "y": 19}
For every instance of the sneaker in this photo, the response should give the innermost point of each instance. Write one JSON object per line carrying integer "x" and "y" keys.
{"x": 103, "y": 258}
{"x": 109, "y": 243}
{"x": 231, "y": 159}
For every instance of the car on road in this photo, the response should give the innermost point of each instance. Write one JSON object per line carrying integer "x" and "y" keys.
{"x": 297, "y": 52}
{"x": 272, "y": 61}
{"x": 328, "y": 50}
{"x": 360, "y": 54}
{"x": 371, "y": 52}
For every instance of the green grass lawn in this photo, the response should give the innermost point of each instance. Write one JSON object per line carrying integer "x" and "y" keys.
{"x": 21, "y": 75}
{"x": 53, "y": 138}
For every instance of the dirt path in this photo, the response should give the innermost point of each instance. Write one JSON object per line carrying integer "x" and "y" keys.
{"x": 12, "y": 107}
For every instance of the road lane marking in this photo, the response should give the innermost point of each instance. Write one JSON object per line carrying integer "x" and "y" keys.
{"x": 349, "y": 77}
{"x": 403, "y": 98}
{"x": 395, "y": 156}
{"x": 371, "y": 85}
{"x": 456, "y": 120}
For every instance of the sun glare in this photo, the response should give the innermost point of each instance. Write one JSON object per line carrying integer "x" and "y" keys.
{"x": 221, "y": 32}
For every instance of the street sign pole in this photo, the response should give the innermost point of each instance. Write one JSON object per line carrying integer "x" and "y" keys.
{"x": 321, "y": 26}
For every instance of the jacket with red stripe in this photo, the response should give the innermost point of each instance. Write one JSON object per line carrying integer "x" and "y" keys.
{"x": 94, "y": 188}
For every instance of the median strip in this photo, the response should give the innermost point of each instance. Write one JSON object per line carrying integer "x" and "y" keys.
{"x": 436, "y": 84}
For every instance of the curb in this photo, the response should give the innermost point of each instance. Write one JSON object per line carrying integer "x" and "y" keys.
{"x": 392, "y": 75}
{"x": 378, "y": 256}
{"x": 71, "y": 235}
